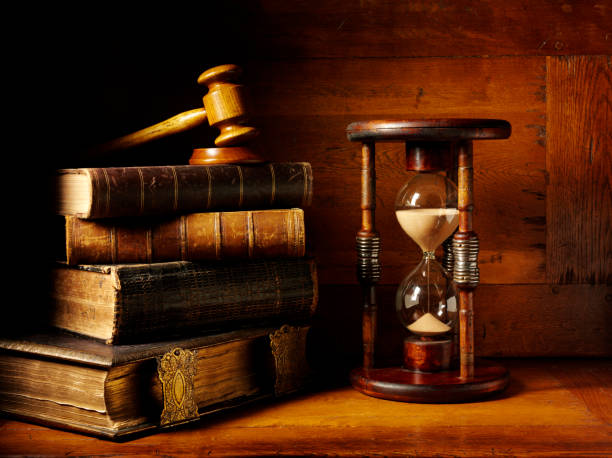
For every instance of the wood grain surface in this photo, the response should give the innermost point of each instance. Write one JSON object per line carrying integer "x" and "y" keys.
{"x": 579, "y": 163}
{"x": 385, "y": 28}
{"x": 550, "y": 408}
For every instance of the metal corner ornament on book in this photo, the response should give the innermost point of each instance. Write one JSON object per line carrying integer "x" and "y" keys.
{"x": 435, "y": 302}
{"x": 285, "y": 350}
{"x": 176, "y": 370}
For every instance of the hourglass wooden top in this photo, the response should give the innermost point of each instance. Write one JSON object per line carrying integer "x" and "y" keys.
{"x": 450, "y": 129}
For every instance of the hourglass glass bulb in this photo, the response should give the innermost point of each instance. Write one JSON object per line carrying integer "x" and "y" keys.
{"x": 426, "y": 208}
{"x": 426, "y": 301}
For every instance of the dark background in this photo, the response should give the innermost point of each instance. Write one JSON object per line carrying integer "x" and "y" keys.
{"x": 82, "y": 76}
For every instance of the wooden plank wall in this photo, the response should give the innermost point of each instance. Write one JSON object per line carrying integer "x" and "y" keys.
{"x": 579, "y": 164}
{"x": 542, "y": 198}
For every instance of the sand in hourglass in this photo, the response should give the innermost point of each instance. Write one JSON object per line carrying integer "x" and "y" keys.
{"x": 428, "y": 227}
{"x": 428, "y": 325}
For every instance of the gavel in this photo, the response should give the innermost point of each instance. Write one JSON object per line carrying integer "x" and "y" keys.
{"x": 225, "y": 107}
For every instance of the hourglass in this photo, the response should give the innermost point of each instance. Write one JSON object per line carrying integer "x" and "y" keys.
{"x": 434, "y": 303}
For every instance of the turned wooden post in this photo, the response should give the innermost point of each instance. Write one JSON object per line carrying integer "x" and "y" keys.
{"x": 465, "y": 247}
{"x": 368, "y": 248}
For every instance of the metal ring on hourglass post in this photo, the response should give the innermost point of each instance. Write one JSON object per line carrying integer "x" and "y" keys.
{"x": 465, "y": 269}
{"x": 368, "y": 266}
{"x": 448, "y": 260}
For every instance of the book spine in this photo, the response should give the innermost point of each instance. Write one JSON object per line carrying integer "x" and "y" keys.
{"x": 174, "y": 297}
{"x": 193, "y": 237}
{"x": 141, "y": 191}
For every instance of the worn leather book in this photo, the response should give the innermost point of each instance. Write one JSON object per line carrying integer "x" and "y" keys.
{"x": 75, "y": 383}
{"x": 93, "y": 193}
{"x": 249, "y": 234}
{"x": 131, "y": 303}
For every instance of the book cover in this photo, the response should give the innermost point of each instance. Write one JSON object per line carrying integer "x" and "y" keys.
{"x": 116, "y": 391}
{"x": 131, "y": 303}
{"x": 92, "y": 193}
{"x": 255, "y": 234}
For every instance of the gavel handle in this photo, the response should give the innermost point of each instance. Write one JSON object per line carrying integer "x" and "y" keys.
{"x": 174, "y": 125}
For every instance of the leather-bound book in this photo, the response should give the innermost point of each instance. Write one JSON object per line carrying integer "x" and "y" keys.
{"x": 135, "y": 303}
{"x": 248, "y": 234}
{"x": 93, "y": 193}
{"x": 80, "y": 384}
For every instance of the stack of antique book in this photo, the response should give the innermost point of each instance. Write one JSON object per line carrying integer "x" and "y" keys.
{"x": 184, "y": 290}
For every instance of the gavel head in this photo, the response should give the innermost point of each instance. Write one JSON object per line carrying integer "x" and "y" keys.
{"x": 226, "y": 105}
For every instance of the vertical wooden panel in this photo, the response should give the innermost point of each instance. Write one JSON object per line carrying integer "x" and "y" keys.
{"x": 579, "y": 163}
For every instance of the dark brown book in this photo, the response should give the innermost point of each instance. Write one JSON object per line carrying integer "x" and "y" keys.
{"x": 249, "y": 234}
{"x": 93, "y": 193}
{"x": 132, "y": 303}
{"x": 80, "y": 384}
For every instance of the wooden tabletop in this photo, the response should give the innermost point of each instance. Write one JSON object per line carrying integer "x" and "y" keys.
{"x": 551, "y": 408}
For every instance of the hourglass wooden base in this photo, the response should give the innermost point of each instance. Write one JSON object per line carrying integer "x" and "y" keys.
{"x": 399, "y": 384}
{"x": 432, "y": 145}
